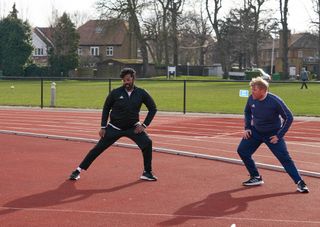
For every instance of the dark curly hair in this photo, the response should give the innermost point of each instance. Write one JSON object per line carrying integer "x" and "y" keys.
{"x": 126, "y": 71}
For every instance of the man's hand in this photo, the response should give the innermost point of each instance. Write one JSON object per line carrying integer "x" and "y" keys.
{"x": 102, "y": 132}
{"x": 274, "y": 139}
{"x": 139, "y": 128}
{"x": 247, "y": 134}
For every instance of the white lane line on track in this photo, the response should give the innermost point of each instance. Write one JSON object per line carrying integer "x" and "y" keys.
{"x": 177, "y": 141}
{"x": 228, "y": 139}
{"x": 165, "y": 150}
{"x": 160, "y": 215}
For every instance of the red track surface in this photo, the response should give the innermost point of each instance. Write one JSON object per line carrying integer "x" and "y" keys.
{"x": 190, "y": 191}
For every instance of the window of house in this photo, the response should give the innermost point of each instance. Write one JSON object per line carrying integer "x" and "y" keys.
{"x": 94, "y": 51}
{"x": 139, "y": 53}
{"x": 300, "y": 54}
{"x": 98, "y": 29}
{"x": 79, "y": 51}
{"x": 109, "y": 51}
{"x": 38, "y": 52}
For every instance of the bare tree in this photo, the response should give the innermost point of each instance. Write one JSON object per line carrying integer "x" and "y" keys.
{"x": 215, "y": 22}
{"x": 130, "y": 10}
{"x": 79, "y": 18}
{"x": 284, "y": 36}
{"x": 255, "y": 6}
{"x": 156, "y": 30}
{"x": 316, "y": 8}
{"x": 165, "y": 5}
{"x": 196, "y": 29}
{"x": 175, "y": 7}
{"x": 54, "y": 17}
{"x": 152, "y": 33}
{"x": 237, "y": 30}
{"x": 250, "y": 29}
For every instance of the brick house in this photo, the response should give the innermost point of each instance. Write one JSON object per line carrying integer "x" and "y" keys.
{"x": 101, "y": 40}
{"x": 41, "y": 42}
{"x": 302, "y": 53}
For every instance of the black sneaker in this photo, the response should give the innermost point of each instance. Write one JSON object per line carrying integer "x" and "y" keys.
{"x": 148, "y": 176}
{"x": 302, "y": 187}
{"x": 253, "y": 181}
{"x": 75, "y": 175}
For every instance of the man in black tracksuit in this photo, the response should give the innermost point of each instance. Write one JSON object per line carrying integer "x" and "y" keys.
{"x": 125, "y": 104}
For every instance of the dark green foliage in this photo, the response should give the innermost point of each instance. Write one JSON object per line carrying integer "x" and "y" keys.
{"x": 15, "y": 44}
{"x": 251, "y": 74}
{"x": 63, "y": 56}
{"x": 36, "y": 71}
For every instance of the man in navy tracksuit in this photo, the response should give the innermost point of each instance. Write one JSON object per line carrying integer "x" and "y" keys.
{"x": 267, "y": 119}
{"x": 124, "y": 103}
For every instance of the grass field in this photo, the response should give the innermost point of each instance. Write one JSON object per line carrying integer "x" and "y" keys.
{"x": 204, "y": 97}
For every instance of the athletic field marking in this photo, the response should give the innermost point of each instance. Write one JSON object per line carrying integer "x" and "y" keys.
{"x": 160, "y": 215}
{"x": 220, "y": 135}
{"x": 155, "y": 135}
{"x": 303, "y": 144}
{"x": 164, "y": 150}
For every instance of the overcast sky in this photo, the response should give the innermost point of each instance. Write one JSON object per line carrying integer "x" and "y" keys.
{"x": 38, "y": 12}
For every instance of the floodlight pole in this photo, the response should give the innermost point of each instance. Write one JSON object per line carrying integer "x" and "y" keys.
{"x": 272, "y": 57}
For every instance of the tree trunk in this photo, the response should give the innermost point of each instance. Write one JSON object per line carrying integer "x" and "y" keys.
{"x": 175, "y": 34}
{"x": 214, "y": 22}
{"x": 143, "y": 46}
{"x": 285, "y": 37}
{"x": 318, "y": 49}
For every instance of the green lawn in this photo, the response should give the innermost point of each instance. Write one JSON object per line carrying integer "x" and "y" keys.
{"x": 206, "y": 97}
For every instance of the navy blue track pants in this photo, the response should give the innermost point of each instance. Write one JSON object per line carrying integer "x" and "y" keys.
{"x": 247, "y": 147}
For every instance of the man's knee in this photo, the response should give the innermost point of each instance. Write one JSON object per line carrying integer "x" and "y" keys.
{"x": 284, "y": 158}
{"x": 241, "y": 147}
{"x": 240, "y": 151}
{"x": 146, "y": 144}
{"x": 243, "y": 151}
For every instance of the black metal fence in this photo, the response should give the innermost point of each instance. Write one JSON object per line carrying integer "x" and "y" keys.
{"x": 210, "y": 96}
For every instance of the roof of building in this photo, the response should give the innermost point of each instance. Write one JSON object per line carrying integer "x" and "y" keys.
{"x": 103, "y": 32}
{"x": 124, "y": 61}
{"x": 298, "y": 40}
{"x": 306, "y": 40}
{"x": 45, "y": 33}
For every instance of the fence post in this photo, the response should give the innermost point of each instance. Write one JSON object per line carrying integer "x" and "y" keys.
{"x": 184, "y": 95}
{"x": 109, "y": 85}
{"x": 41, "y": 96}
{"x": 53, "y": 94}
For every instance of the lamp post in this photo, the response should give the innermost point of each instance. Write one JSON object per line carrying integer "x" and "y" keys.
{"x": 274, "y": 35}
{"x": 272, "y": 56}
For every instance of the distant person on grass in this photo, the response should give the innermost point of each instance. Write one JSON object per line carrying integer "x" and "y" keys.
{"x": 304, "y": 78}
{"x": 123, "y": 106}
{"x": 267, "y": 119}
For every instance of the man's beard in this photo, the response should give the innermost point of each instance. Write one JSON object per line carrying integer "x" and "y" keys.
{"x": 128, "y": 86}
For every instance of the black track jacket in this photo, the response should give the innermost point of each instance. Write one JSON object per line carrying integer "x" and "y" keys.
{"x": 125, "y": 110}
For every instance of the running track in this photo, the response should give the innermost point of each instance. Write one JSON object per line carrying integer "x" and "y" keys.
{"x": 189, "y": 192}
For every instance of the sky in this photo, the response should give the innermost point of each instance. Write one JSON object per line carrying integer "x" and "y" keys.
{"x": 38, "y": 12}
